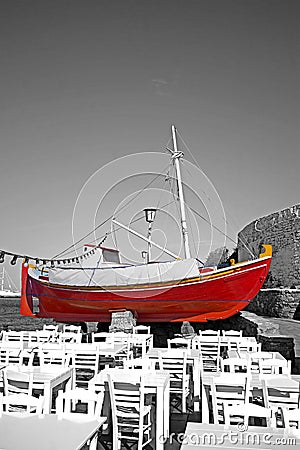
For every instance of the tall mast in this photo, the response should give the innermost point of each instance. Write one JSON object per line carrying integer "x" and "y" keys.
{"x": 2, "y": 280}
{"x": 176, "y": 155}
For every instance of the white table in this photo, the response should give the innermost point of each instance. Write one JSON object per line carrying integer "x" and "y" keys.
{"x": 157, "y": 382}
{"x": 32, "y": 432}
{"x": 48, "y": 378}
{"x": 199, "y": 435}
{"x": 193, "y": 359}
{"x": 104, "y": 348}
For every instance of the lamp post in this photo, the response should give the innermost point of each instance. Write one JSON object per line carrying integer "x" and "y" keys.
{"x": 149, "y": 216}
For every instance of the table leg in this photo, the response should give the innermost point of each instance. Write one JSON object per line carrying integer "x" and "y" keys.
{"x": 204, "y": 404}
{"x": 167, "y": 409}
{"x": 47, "y": 398}
{"x": 196, "y": 382}
{"x": 160, "y": 418}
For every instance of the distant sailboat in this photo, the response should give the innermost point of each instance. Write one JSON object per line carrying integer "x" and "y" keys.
{"x": 6, "y": 284}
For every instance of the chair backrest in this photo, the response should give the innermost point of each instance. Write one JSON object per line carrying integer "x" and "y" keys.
{"x": 17, "y": 382}
{"x": 145, "y": 364}
{"x": 72, "y": 402}
{"x": 44, "y": 336}
{"x": 103, "y": 337}
{"x": 247, "y": 346}
{"x": 291, "y": 418}
{"x": 72, "y": 329}
{"x": 232, "y": 333}
{"x": 85, "y": 362}
{"x": 209, "y": 347}
{"x": 229, "y": 389}
{"x": 127, "y": 402}
{"x": 274, "y": 366}
{"x": 215, "y": 333}
{"x": 50, "y": 327}
{"x": 69, "y": 336}
{"x": 53, "y": 357}
{"x": 120, "y": 336}
{"x": 10, "y": 356}
{"x": 280, "y": 392}
{"x": 176, "y": 364}
{"x": 12, "y": 336}
{"x": 179, "y": 342}
{"x": 235, "y": 365}
{"x": 243, "y": 414}
{"x": 141, "y": 329}
{"x": 21, "y": 403}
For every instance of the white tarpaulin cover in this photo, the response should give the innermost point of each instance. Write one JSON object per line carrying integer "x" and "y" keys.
{"x": 124, "y": 276}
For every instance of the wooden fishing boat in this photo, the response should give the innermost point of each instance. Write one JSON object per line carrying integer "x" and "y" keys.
{"x": 172, "y": 291}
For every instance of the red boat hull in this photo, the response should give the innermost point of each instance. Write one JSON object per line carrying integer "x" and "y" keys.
{"x": 216, "y": 295}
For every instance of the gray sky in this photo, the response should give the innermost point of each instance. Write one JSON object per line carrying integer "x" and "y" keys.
{"x": 85, "y": 82}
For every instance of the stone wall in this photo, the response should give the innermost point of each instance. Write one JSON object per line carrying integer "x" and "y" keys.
{"x": 282, "y": 230}
{"x": 280, "y": 296}
{"x": 276, "y": 302}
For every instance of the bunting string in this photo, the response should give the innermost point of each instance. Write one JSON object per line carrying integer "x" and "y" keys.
{"x": 52, "y": 262}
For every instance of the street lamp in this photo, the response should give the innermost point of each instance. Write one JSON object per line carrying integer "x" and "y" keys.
{"x": 149, "y": 216}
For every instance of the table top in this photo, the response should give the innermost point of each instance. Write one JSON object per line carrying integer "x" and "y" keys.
{"x": 262, "y": 355}
{"x": 191, "y": 353}
{"x": 33, "y": 432}
{"x": 45, "y": 373}
{"x": 256, "y": 379}
{"x": 151, "y": 378}
{"x": 199, "y": 435}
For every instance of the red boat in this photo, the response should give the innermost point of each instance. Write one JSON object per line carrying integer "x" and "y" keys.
{"x": 214, "y": 294}
{"x": 173, "y": 291}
